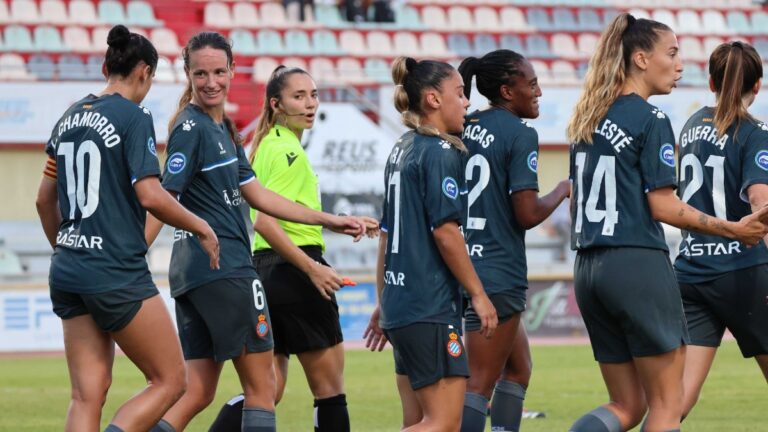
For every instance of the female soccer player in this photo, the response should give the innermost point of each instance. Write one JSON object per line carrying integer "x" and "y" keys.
{"x": 503, "y": 202}
{"x": 623, "y": 176}
{"x": 221, "y": 315}
{"x": 298, "y": 282}
{"x": 422, "y": 254}
{"x": 101, "y": 175}
{"x": 724, "y": 170}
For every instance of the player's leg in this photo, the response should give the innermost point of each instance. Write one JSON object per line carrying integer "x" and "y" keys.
{"x": 412, "y": 412}
{"x": 698, "y": 362}
{"x": 661, "y": 378}
{"x": 762, "y": 361}
{"x": 486, "y": 361}
{"x": 230, "y": 416}
{"x": 281, "y": 375}
{"x": 257, "y": 377}
{"x": 324, "y": 369}
{"x": 627, "y": 401}
{"x": 90, "y": 353}
{"x": 509, "y": 394}
{"x": 441, "y": 404}
{"x": 150, "y": 341}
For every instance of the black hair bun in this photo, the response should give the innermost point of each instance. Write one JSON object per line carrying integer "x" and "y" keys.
{"x": 119, "y": 36}
{"x": 410, "y": 64}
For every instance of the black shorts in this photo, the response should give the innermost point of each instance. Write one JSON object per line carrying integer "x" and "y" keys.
{"x": 507, "y": 304}
{"x": 111, "y": 310}
{"x": 428, "y": 352}
{"x": 737, "y": 300}
{"x": 221, "y": 318}
{"x": 302, "y": 320}
{"x": 630, "y": 302}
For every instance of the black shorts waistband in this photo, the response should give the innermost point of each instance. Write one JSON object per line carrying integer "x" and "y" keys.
{"x": 268, "y": 257}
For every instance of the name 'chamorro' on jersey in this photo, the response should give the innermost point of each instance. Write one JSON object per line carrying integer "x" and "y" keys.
{"x": 102, "y": 145}
{"x": 423, "y": 180}
{"x": 633, "y": 153}
{"x": 503, "y": 159}
{"x": 715, "y": 174}
{"x": 207, "y": 169}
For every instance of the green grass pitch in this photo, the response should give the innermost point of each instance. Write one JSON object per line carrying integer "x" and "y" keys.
{"x": 34, "y": 393}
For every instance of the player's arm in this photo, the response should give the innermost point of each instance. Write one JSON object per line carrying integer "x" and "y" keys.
{"x": 668, "y": 208}
{"x": 453, "y": 249}
{"x": 47, "y": 202}
{"x": 530, "y": 209}
{"x": 323, "y": 277}
{"x": 273, "y": 204}
{"x": 373, "y": 335}
{"x": 163, "y": 206}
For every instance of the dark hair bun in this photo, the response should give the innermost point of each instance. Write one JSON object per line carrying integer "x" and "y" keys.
{"x": 410, "y": 64}
{"x": 119, "y": 36}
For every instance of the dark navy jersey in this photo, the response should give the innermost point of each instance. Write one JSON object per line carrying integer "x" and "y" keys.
{"x": 102, "y": 145}
{"x": 633, "y": 153}
{"x": 207, "y": 169}
{"x": 714, "y": 176}
{"x": 423, "y": 180}
{"x": 504, "y": 152}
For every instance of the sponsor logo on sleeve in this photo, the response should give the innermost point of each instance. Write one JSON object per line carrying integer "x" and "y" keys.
{"x": 151, "y": 146}
{"x": 176, "y": 163}
{"x": 291, "y": 158}
{"x": 761, "y": 159}
{"x": 450, "y": 187}
{"x": 667, "y": 154}
{"x": 533, "y": 161}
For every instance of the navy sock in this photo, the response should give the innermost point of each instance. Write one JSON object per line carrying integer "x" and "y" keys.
{"x": 258, "y": 420}
{"x": 507, "y": 406}
{"x": 162, "y": 426}
{"x": 473, "y": 417}
{"x": 113, "y": 428}
{"x": 230, "y": 417}
{"x": 331, "y": 414}
{"x": 600, "y": 419}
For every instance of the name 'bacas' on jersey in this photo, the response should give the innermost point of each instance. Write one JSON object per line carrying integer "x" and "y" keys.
{"x": 478, "y": 134}
{"x": 95, "y": 121}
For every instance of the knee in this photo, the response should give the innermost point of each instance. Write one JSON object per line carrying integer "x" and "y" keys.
{"x": 482, "y": 382}
{"x": 173, "y": 385}
{"x": 632, "y": 411}
{"x": 521, "y": 374}
{"x": 92, "y": 394}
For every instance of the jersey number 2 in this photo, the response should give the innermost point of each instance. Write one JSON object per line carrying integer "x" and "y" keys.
{"x": 82, "y": 192}
{"x": 605, "y": 173}
{"x": 477, "y": 223}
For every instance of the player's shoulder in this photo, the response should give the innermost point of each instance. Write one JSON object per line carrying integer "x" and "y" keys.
{"x": 190, "y": 121}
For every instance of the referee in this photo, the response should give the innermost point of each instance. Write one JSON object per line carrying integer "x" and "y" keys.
{"x": 298, "y": 282}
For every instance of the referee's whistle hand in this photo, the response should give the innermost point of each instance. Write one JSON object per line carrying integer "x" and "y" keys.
{"x": 325, "y": 279}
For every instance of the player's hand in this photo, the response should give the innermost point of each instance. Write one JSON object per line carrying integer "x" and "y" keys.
{"x": 372, "y": 228}
{"x": 752, "y": 228}
{"x": 210, "y": 244}
{"x": 487, "y": 314}
{"x": 325, "y": 279}
{"x": 350, "y": 225}
{"x": 375, "y": 340}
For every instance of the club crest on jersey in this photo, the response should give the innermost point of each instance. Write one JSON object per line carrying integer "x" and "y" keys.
{"x": 151, "y": 146}
{"x": 176, "y": 163}
{"x": 667, "y": 154}
{"x": 658, "y": 113}
{"x": 454, "y": 346}
{"x": 262, "y": 328}
{"x": 761, "y": 159}
{"x": 533, "y": 161}
{"x": 450, "y": 188}
{"x": 188, "y": 125}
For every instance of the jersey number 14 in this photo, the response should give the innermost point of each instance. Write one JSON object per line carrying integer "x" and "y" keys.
{"x": 603, "y": 177}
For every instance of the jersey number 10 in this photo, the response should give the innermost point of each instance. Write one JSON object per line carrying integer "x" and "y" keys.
{"x": 81, "y": 192}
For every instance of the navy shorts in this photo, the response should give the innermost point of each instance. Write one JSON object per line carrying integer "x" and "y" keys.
{"x": 738, "y": 301}
{"x": 111, "y": 310}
